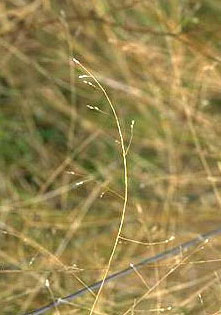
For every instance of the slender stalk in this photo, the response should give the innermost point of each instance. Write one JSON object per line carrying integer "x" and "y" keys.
{"x": 124, "y": 153}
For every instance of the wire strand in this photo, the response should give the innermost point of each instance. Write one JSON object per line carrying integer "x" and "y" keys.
{"x": 159, "y": 257}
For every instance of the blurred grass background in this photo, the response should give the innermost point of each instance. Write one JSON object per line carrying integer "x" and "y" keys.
{"x": 61, "y": 168}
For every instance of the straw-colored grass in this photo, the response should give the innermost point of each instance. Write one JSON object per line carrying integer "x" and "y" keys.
{"x": 66, "y": 220}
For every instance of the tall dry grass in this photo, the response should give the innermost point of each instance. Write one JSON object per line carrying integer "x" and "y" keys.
{"x": 62, "y": 183}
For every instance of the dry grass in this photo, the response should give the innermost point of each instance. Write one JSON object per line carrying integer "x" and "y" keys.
{"x": 62, "y": 175}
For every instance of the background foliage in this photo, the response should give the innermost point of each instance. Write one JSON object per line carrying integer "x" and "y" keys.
{"x": 60, "y": 161}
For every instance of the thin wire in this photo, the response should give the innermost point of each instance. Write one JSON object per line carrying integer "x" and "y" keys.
{"x": 159, "y": 257}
